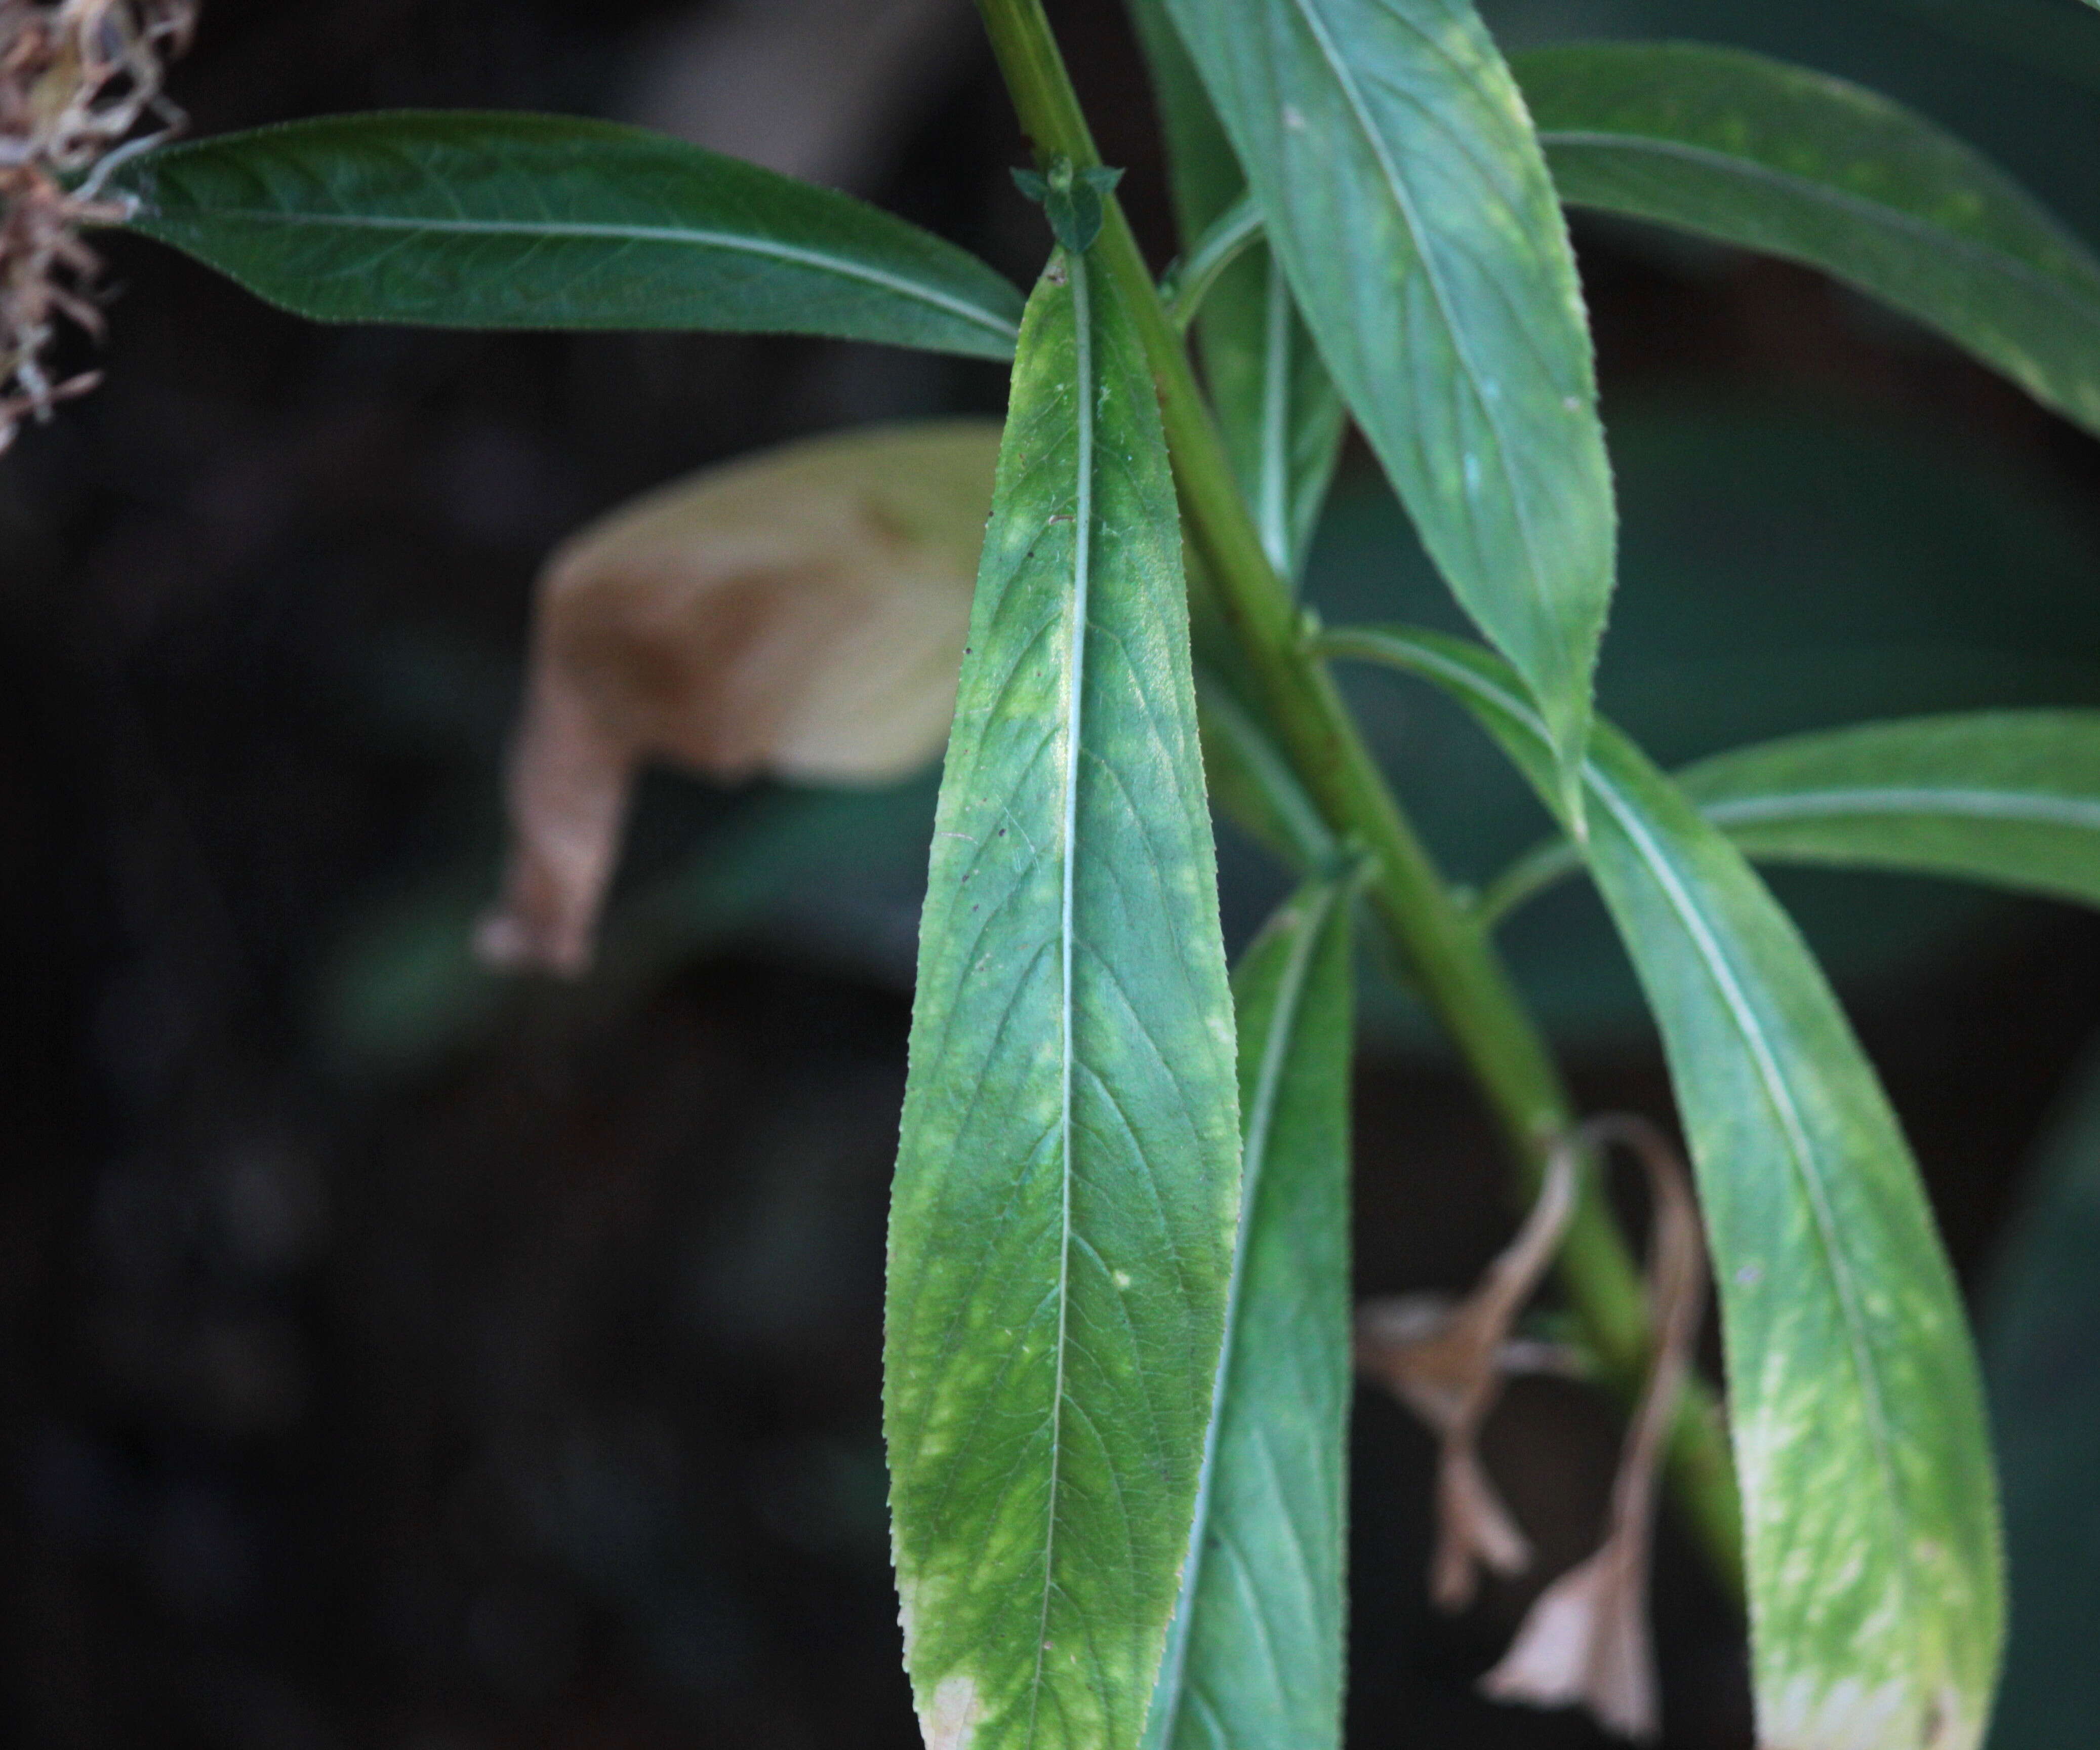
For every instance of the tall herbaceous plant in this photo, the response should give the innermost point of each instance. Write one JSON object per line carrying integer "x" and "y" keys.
{"x": 1120, "y": 1339}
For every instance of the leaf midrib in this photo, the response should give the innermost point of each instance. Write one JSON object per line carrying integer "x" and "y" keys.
{"x": 1782, "y": 808}
{"x": 540, "y": 229}
{"x": 1547, "y": 864}
{"x": 1082, "y": 513}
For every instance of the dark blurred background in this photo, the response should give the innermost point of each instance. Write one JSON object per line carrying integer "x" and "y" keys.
{"x": 392, "y": 1356}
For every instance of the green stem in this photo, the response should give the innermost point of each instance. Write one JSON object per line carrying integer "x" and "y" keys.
{"x": 1453, "y": 963}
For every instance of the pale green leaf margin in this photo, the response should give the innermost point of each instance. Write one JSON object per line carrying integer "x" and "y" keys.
{"x": 1753, "y": 151}
{"x": 1277, "y": 409}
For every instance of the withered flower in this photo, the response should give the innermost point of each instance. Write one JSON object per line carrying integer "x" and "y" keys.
{"x": 1447, "y": 1362}
{"x": 75, "y": 76}
{"x": 1586, "y": 1640}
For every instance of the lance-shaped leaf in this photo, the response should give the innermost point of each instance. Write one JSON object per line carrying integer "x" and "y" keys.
{"x": 469, "y": 220}
{"x": 1775, "y": 158}
{"x": 2011, "y": 798}
{"x": 1277, "y": 408}
{"x": 1068, "y": 1178}
{"x": 1407, "y": 200}
{"x": 1871, "y": 1531}
{"x": 1255, "y": 1657}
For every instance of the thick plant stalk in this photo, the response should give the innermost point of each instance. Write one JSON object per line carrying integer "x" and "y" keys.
{"x": 1454, "y": 965}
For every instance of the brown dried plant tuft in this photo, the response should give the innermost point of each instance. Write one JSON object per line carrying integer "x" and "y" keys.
{"x": 75, "y": 76}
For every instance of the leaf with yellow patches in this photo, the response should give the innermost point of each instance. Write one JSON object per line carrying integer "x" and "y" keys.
{"x": 1061, "y": 1228}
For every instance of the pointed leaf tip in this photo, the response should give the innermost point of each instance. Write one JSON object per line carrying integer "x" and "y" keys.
{"x": 461, "y": 219}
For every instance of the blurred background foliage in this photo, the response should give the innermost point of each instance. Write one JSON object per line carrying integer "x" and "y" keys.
{"x": 393, "y": 1354}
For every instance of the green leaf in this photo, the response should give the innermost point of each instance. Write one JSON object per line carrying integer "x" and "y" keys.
{"x": 1774, "y": 158}
{"x": 1871, "y": 1535}
{"x": 1411, "y": 209}
{"x": 1277, "y": 408}
{"x": 2042, "y": 1357}
{"x": 2011, "y": 798}
{"x": 1068, "y": 1179}
{"x": 466, "y": 220}
{"x": 1254, "y": 1657}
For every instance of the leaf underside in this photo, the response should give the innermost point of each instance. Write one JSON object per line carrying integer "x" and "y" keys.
{"x": 509, "y": 221}
{"x": 1408, "y": 201}
{"x": 1067, "y": 1181}
{"x": 1254, "y": 1661}
{"x": 1774, "y": 158}
{"x": 1871, "y": 1530}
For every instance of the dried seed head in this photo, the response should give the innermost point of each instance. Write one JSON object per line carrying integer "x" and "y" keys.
{"x": 75, "y": 76}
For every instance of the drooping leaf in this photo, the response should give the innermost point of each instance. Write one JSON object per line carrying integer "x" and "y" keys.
{"x": 1409, "y": 204}
{"x": 1871, "y": 1531}
{"x": 473, "y": 220}
{"x": 1775, "y": 158}
{"x": 1255, "y": 1660}
{"x": 1277, "y": 408}
{"x": 2042, "y": 1357}
{"x": 799, "y": 613}
{"x": 2008, "y": 798}
{"x": 1067, "y": 1182}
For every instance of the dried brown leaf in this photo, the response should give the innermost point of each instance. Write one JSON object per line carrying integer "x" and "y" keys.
{"x": 799, "y": 613}
{"x": 1447, "y": 1362}
{"x": 1586, "y": 1640}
